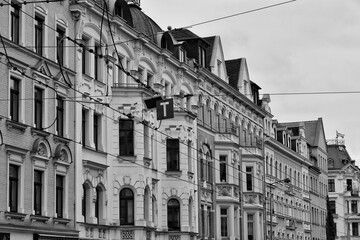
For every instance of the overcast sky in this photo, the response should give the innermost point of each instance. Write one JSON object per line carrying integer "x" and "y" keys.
{"x": 301, "y": 46}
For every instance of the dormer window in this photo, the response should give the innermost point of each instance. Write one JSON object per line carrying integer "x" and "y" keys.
{"x": 202, "y": 56}
{"x": 182, "y": 55}
{"x": 119, "y": 11}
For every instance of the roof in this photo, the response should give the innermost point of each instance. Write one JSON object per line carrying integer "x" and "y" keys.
{"x": 233, "y": 71}
{"x": 338, "y": 155}
{"x": 184, "y": 34}
{"x": 144, "y": 24}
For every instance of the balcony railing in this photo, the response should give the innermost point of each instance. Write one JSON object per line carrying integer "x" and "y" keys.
{"x": 127, "y": 85}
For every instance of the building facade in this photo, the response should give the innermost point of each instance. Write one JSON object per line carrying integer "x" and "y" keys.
{"x": 295, "y": 156}
{"x": 343, "y": 187}
{"x": 37, "y": 151}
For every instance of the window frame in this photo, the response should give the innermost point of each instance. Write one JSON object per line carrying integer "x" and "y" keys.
{"x": 15, "y": 22}
{"x": 173, "y": 215}
{"x": 39, "y": 33}
{"x": 224, "y": 231}
{"x": 38, "y": 191}
{"x": 126, "y": 138}
{"x": 249, "y": 178}
{"x": 15, "y": 98}
{"x": 129, "y": 207}
{"x": 223, "y": 168}
{"x": 60, "y": 44}
{"x": 60, "y": 115}
{"x": 59, "y": 200}
{"x": 14, "y": 193}
{"x": 173, "y": 154}
{"x": 38, "y": 107}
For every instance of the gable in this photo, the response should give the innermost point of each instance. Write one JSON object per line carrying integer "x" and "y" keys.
{"x": 43, "y": 68}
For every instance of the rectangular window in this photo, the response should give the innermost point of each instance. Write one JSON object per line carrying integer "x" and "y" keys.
{"x": 84, "y": 56}
{"x": 222, "y": 168}
{"x": 15, "y": 23}
{"x": 202, "y": 56}
{"x": 38, "y": 182}
{"x": 83, "y": 127}
{"x": 331, "y": 184}
{"x": 149, "y": 79}
{"x": 39, "y": 32}
{"x": 14, "y": 99}
{"x": 249, "y": 178}
{"x": 126, "y": 137}
{"x": 354, "y": 206}
{"x": 97, "y": 70}
{"x": 60, "y": 116}
{"x": 189, "y": 148}
{"x": 182, "y": 55}
{"x": 59, "y": 196}
{"x": 224, "y": 222}
{"x": 60, "y": 33}
{"x": 348, "y": 184}
{"x": 13, "y": 187}
{"x": 250, "y": 226}
{"x": 38, "y": 107}
{"x": 96, "y": 130}
{"x": 355, "y": 229}
{"x": 172, "y": 154}
{"x": 332, "y": 207}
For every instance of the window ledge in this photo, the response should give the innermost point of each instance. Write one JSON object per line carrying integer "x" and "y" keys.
{"x": 15, "y": 215}
{"x": 39, "y": 218}
{"x": 190, "y": 174}
{"x": 63, "y": 221}
{"x": 40, "y": 133}
{"x": 16, "y": 125}
{"x": 173, "y": 173}
{"x": 58, "y": 138}
{"x": 126, "y": 158}
{"x": 147, "y": 161}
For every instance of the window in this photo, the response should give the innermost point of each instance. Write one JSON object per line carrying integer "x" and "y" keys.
{"x": 224, "y": 222}
{"x": 126, "y": 137}
{"x": 14, "y": 99}
{"x": 331, "y": 185}
{"x": 190, "y": 158}
{"x": 96, "y": 130}
{"x": 202, "y": 56}
{"x": 355, "y": 229}
{"x": 249, "y": 178}
{"x": 85, "y": 202}
{"x": 15, "y": 22}
{"x": 60, "y": 33}
{"x": 173, "y": 214}
{"x": 146, "y": 204}
{"x": 99, "y": 210}
{"x": 39, "y": 32}
{"x": 172, "y": 154}
{"x": 85, "y": 56}
{"x": 149, "y": 79}
{"x": 38, "y": 108}
{"x": 38, "y": 182}
{"x": 348, "y": 185}
{"x": 354, "y": 206}
{"x": 59, "y": 196}
{"x": 222, "y": 168}
{"x": 126, "y": 207}
{"x": 182, "y": 55}
{"x": 83, "y": 126}
{"x": 250, "y": 226}
{"x": 209, "y": 167}
{"x": 60, "y": 116}
{"x": 332, "y": 207}
{"x": 97, "y": 63}
{"x": 13, "y": 187}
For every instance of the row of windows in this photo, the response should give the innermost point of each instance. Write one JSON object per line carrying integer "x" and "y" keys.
{"x": 38, "y": 191}
{"x": 39, "y": 32}
{"x": 349, "y": 186}
{"x": 127, "y": 207}
{"x": 16, "y": 106}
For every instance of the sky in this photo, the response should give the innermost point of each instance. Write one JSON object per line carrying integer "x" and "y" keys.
{"x": 302, "y": 46}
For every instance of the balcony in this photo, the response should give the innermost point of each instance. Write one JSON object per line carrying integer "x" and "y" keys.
{"x": 274, "y": 219}
{"x": 290, "y": 224}
{"x": 252, "y": 199}
{"x": 306, "y": 196}
{"x": 227, "y": 191}
{"x": 307, "y": 227}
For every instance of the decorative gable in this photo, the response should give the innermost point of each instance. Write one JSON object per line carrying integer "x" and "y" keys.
{"x": 43, "y": 69}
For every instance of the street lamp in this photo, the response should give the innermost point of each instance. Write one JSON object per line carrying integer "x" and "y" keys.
{"x": 285, "y": 180}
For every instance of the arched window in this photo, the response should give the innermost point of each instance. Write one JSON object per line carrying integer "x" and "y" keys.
{"x": 153, "y": 209}
{"x": 126, "y": 207}
{"x": 173, "y": 214}
{"x": 99, "y": 204}
{"x": 190, "y": 213}
{"x": 86, "y": 201}
{"x": 208, "y": 119}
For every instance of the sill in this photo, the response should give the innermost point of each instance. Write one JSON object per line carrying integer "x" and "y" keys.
{"x": 173, "y": 173}
{"x": 39, "y": 218}
{"x": 63, "y": 221}
{"x": 126, "y": 158}
{"x": 15, "y": 215}
{"x": 61, "y": 139}
{"x": 38, "y": 132}
{"x": 16, "y": 125}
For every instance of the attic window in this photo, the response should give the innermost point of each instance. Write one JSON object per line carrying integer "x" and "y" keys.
{"x": 182, "y": 54}
{"x": 119, "y": 10}
{"x": 202, "y": 56}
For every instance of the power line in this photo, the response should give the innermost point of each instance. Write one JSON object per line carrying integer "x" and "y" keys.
{"x": 237, "y": 14}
